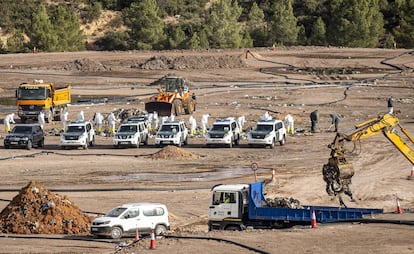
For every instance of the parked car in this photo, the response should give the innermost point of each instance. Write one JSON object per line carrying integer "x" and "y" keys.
{"x": 78, "y": 134}
{"x": 172, "y": 133}
{"x": 223, "y": 132}
{"x": 25, "y": 136}
{"x": 267, "y": 133}
{"x": 125, "y": 219}
{"x": 131, "y": 134}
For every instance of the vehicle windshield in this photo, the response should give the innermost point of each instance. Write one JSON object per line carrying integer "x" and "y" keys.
{"x": 75, "y": 128}
{"x": 169, "y": 128}
{"x": 32, "y": 93}
{"x": 22, "y": 129}
{"x": 115, "y": 212}
{"x": 128, "y": 128}
{"x": 264, "y": 127}
{"x": 220, "y": 127}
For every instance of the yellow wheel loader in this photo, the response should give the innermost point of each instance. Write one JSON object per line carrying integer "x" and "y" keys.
{"x": 173, "y": 97}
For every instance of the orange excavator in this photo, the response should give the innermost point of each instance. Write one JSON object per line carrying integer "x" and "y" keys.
{"x": 338, "y": 172}
{"x": 173, "y": 97}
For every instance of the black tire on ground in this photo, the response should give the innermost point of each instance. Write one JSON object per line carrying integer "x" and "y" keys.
{"x": 190, "y": 106}
{"x": 92, "y": 143}
{"x": 233, "y": 228}
{"x": 41, "y": 143}
{"x": 177, "y": 107}
{"x": 273, "y": 144}
{"x": 160, "y": 230}
{"x": 29, "y": 145}
{"x": 116, "y": 233}
{"x": 283, "y": 141}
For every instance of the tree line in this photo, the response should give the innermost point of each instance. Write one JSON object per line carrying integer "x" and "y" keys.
{"x": 201, "y": 24}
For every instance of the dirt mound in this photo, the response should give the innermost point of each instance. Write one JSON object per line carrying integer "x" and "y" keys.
{"x": 35, "y": 210}
{"x": 86, "y": 65}
{"x": 174, "y": 153}
{"x": 192, "y": 62}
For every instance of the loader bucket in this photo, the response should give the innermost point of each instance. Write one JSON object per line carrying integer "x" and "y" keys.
{"x": 162, "y": 108}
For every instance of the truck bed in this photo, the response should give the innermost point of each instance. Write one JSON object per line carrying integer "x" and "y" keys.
{"x": 324, "y": 214}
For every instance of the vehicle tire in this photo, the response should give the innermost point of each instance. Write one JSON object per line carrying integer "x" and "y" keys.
{"x": 231, "y": 144}
{"x": 272, "y": 145}
{"x": 233, "y": 228}
{"x": 146, "y": 141}
{"x": 85, "y": 146}
{"x": 190, "y": 106}
{"x": 237, "y": 141}
{"x": 283, "y": 141}
{"x": 160, "y": 230}
{"x": 116, "y": 232}
{"x": 48, "y": 116}
{"x": 6, "y": 147}
{"x": 138, "y": 142}
{"x": 177, "y": 107}
{"x": 186, "y": 141}
{"x": 29, "y": 145}
{"x": 41, "y": 143}
{"x": 92, "y": 142}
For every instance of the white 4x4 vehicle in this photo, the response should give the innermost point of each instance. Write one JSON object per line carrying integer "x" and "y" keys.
{"x": 225, "y": 132}
{"x": 78, "y": 134}
{"x": 125, "y": 219}
{"x": 172, "y": 133}
{"x": 131, "y": 134}
{"x": 267, "y": 133}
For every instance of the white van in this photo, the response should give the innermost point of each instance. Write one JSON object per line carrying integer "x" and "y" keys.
{"x": 125, "y": 219}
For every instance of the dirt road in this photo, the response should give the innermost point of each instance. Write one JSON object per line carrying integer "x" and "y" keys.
{"x": 354, "y": 83}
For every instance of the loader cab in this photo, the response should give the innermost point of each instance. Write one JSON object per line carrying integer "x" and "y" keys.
{"x": 229, "y": 201}
{"x": 174, "y": 84}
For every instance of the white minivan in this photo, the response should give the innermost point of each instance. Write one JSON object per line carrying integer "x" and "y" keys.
{"x": 125, "y": 219}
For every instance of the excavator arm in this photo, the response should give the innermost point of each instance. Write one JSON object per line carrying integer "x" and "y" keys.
{"x": 338, "y": 172}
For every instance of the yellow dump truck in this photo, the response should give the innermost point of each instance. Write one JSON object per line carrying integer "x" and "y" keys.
{"x": 36, "y": 97}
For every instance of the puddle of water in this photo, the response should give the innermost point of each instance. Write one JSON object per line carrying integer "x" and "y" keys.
{"x": 219, "y": 174}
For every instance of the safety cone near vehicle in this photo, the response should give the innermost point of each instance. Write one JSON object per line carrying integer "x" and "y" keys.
{"x": 313, "y": 223}
{"x": 411, "y": 176}
{"x": 136, "y": 234}
{"x": 399, "y": 210}
{"x": 152, "y": 244}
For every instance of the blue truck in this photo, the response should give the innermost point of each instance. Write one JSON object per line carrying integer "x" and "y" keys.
{"x": 238, "y": 206}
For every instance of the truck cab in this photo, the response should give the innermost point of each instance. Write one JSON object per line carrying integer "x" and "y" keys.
{"x": 229, "y": 203}
{"x": 223, "y": 132}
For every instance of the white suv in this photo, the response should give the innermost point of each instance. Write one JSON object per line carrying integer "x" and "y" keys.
{"x": 78, "y": 134}
{"x": 225, "y": 132}
{"x": 131, "y": 134}
{"x": 267, "y": 133}
{"x": 172, "y": 133}
{"x": 125, "y": 219}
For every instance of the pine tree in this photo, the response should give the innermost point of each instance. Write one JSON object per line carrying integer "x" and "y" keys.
{"x": 318, "y": 35}
{"x": 146, "y": 27}
{"x": 284, "y": 28}
{"x": 256, "y": 26}
{"x": 404, "y": 33}
{"x": 194, "y": 42}
{"x": 16, "y": 43}
{"x": 222, "y": 28}
{"x": 177, "y": 38}
{"x": 67, "y": 28}
{"x": 41, "y": 33}
{"x": 355, "y": 23}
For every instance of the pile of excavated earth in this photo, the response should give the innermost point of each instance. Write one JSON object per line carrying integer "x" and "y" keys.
{"x": 173, "y": 153}
{"x": 35, "y": 210}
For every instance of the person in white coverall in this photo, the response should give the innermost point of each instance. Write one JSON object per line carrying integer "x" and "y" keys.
{"x": 81, "y": 116}
{"x": 265, "y": 117}
{"x": 7, "y": 121}
{"x": 204, "y": 121}
{"x": 171, "y": 118}
{"x": 290, "y": 124}
{"x": 64, "y": 119}
{"x": 111, "y": 122}
{"x": 241, "y": 120}
{"x": 98, "y": 119}
{"x": 193, "y": 125}
{"x": 41, "y": 119}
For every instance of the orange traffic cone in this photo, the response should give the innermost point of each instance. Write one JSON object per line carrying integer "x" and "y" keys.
{"x": 399, "y": 210}
{"x": 273, "y": 175}
{"x": 136, "y": 234}
{"x": 411, "y": 176}
{"x": 152, "y": 244}
{"x": 313, "y": 223}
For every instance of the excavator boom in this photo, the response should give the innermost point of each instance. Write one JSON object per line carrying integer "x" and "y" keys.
{"x": 338, "y": 172}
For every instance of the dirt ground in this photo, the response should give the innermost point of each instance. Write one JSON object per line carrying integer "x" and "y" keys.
{"x": 354, "y": 83}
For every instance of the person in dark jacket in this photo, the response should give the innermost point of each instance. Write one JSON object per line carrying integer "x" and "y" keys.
{"x": 314, "y": 117}
{"x": 390, "y": 104}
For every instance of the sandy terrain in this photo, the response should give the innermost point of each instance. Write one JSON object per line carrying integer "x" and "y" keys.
{"x": 355, "y": 83}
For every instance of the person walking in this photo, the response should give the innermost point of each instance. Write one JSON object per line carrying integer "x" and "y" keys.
{"x": 98, "y": 119}
{"x": 314, "y": 117}
{"x": 241, "y": 120}
{"x": 193, "y": 125}
{"x": 390, "y": 104}
{"x": 7, "y": 121}
{"x": 289, "y": 121}
{"x": 335, "y": 121}
{"x": 204, "y": 121}
{"x": 64, "y": 119}
{"x": 81, "y": 116}
{"x": 111, "y": 122}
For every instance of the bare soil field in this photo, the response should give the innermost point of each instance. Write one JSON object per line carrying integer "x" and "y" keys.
{"x": 354, "y": 83}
